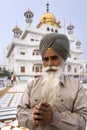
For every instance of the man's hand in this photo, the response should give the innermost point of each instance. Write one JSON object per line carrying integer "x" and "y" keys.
{"x": 42, "y": 114}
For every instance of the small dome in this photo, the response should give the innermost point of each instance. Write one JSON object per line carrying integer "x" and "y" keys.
{"x": 17, "y": 31}
{"x": 78, "y": 43}
{"x": 70, "y": 27}
{"x": 16, "y": 28}
{"x": 28, "y": 12}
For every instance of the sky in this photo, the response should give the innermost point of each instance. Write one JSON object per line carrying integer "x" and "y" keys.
{"x": 70, "y": 11}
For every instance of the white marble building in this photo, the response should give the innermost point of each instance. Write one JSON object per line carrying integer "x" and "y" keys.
{"x": 23, "y": 55}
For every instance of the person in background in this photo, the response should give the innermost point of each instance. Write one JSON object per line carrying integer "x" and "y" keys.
{"x": 53, "y": 101}
{"x": 12, "y": 78}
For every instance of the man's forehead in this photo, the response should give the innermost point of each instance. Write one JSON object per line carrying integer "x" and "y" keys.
{"x": 50, "y": 52}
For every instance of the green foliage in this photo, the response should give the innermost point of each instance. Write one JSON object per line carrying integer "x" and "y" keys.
{"x": 5, "y": 73}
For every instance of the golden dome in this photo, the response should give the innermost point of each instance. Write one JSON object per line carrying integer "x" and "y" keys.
{"x": 47, "y": 17}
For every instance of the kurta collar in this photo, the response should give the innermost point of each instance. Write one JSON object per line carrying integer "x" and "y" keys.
{"x": 62, "y": 80}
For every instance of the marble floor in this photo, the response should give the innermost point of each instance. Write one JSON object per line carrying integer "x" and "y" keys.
{"x": 8, "y": 105}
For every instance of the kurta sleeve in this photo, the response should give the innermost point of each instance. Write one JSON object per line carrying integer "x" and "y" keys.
{"x": 24, "y": 113}
{"x": 75, "y": 120}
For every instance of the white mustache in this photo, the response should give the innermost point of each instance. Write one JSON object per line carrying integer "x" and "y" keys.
{"x": 51, "y": 68}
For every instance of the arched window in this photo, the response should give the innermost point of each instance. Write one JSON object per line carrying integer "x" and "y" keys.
{"x": 22, "y": 69}
{"x": 37, "y": 68}
{"x": 0, "y": 69}
{"x": 56, "y": 31}
{"x": 4, "y": 68}
{"x": 86, "y": 65}
{"x": 75, "y": 58}
{"x": 48, "y": 29}
{"x": 75, "y": 70}
{"x": 69, "y": 68}
{"x": 27, "y": 16}
{"x": 52, "y": 30}
{"x": 36, "y": 52}
{"x": 22, "y": 53}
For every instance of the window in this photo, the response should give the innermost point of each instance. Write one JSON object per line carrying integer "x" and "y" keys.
{"x": 69, "y": 68}
{"x": 37, "y": 68}
{"x": 48, "y": 29}
{"x": 86, "y": 65}
{"x": 36, "y": 52}
{"x": 81, "y": 66}
{"x": 32, "y": 39}
{"x": 36, "y": 40}
{"x": 52, "y": 30}
{"x": 22, "y": 69}
{"x": 56, "y": 31}
{"x": 75, "y": 70}
{"x": 0, "y": 69}
{"x": 22, "y": 53}
{"x": 75, "y": 58}
{"x": 27, "y": 16}
{"x": 4, "y": 68}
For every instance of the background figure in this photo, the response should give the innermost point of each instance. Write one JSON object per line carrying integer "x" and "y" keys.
{"x": 53, "y": 101}
{"x": 12, "y": 78}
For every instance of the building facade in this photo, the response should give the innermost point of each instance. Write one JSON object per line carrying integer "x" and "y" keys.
{"x": 23, "y": 54}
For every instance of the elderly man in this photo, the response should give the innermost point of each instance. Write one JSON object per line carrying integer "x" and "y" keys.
{"x": 53, "y": 101}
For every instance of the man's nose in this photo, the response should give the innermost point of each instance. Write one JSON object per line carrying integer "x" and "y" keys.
{"x": 50, "y": 63}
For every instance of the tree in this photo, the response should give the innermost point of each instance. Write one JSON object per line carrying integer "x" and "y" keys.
{"x": 5, "y": 73}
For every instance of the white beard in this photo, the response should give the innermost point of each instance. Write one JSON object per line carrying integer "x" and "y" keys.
{"x": 51, "y": 83}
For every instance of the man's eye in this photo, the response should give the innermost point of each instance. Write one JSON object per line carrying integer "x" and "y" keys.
{"x": 54, "y": 57}
{"x": 45, "y": 58}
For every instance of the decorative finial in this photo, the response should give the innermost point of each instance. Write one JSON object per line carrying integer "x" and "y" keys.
{"x": 49, "y": 49}
{"x": 47, "y": 7}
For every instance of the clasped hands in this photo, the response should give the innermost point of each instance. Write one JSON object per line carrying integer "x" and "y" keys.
{"x": 42, "y": 114}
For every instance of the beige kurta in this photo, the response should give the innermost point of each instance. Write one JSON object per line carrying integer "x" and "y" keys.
{"x": 69, "y": 107}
